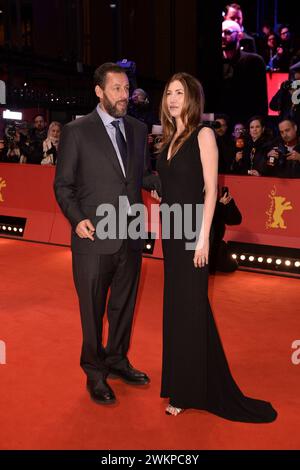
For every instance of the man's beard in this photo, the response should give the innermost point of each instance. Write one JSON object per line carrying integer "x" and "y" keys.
{"x": 231, "y": 46}
{"x": 112, "y": 109}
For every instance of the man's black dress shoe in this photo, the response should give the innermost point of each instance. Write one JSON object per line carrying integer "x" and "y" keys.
{"x": 101, "y": 392}
{"x": 129, "y": 375}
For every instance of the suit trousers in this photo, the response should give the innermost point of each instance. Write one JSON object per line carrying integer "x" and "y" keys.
{"x": 94, "y": 274}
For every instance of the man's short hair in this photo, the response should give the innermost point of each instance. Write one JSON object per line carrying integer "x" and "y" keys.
{"x": 223, "y": 116}
{"x": 38, "y": 115}
{"x": 236, "y": 6}
{"x": 289, "y": 120}
{"x": 102, "y": 71}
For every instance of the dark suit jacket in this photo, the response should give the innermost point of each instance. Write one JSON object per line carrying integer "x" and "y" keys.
{"x": 244, "y": 87}
{"x": 88, "y": 174}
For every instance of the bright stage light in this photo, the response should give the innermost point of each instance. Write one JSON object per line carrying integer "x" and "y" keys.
{"x": 243, "y": 257}
{"x": 269, "y": 260}
{"x": 251, "y": 258}
{"x": 260, "y": 259}
{"x": 278, "y": 261}
{"x": 16, "y": 116}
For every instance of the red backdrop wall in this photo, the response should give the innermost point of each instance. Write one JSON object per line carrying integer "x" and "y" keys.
{"x": 270, "y": 207}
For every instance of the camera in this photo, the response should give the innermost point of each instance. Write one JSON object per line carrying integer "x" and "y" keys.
{"x": 282, "y": 151}
{"x": 10, "y": 132}
{"x": 287, "y": 85}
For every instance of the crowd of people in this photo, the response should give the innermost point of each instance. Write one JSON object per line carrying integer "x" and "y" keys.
{"x": 249, "y": 142}
{"x": 33, "y": 143}
{"x": 256, "y": 151}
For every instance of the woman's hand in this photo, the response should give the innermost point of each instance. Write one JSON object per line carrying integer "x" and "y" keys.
{"x": 201, "y": 254}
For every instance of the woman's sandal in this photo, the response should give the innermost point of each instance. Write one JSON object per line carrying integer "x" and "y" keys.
{"x": 173, "y": 410}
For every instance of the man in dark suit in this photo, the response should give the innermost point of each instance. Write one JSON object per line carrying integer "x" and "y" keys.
{"x": 102, "y": 157}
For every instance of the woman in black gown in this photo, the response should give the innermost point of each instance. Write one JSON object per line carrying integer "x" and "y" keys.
{"x": 195, "y": 372}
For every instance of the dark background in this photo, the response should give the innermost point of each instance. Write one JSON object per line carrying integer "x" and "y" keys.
{"x": 56, "y": 45}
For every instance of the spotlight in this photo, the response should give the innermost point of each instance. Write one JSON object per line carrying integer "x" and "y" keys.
{"x": 288, "y": 263}
{"x": 260, "y": 259}
{"x": 269, "y": 260}
{"x": 7, "y": 114}
{"x": 251, "y": 258}
{"x": 149, "y": 243}
{"x": 243, "y": 257}
{"x": 12, "y": 225}
{"x": 234, "y": 256}
{"x": 278, "y": 261}
{"x": 297, "y": 264}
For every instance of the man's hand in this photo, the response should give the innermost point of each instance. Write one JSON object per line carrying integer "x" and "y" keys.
{"x": 85, "y": 229}
{"x": 273, "y": 153}
{"x": 294, "y": 156}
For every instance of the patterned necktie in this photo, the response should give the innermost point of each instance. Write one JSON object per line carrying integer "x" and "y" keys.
{"x": 121, "y": 143}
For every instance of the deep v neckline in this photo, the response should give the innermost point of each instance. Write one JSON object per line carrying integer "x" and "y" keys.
{"x": 169, "y": 160}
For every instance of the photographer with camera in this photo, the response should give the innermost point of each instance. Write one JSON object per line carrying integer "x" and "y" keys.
{"x": 15, "y": 148}
{"x": 139, "y": 108}
{"x": 50, "y": 145}
{"x": 283, "y": 160}
{"x": 282, "y": 101}
{"x": 226, "y": 213}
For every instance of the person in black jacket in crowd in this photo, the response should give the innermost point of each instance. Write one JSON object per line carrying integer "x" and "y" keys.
{"x": 139, "y": 108}
{"x": 226, "y": 213}
{"x": 37, "y": 136}
{"x": 287, "y": 98}
{"x": 283, "y": 157}
{"x": 225, "y": 142}
{"x": 251, "y": 160}
{"x": 244, "y": 86}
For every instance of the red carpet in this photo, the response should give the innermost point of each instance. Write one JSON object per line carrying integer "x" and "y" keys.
{"x": 43, "y": 401}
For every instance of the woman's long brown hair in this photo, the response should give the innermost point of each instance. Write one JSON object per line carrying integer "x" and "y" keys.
{"x": 191, "y": 114}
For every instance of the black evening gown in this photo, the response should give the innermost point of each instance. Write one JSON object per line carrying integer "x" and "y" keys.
{"x": 195, "y": 372}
